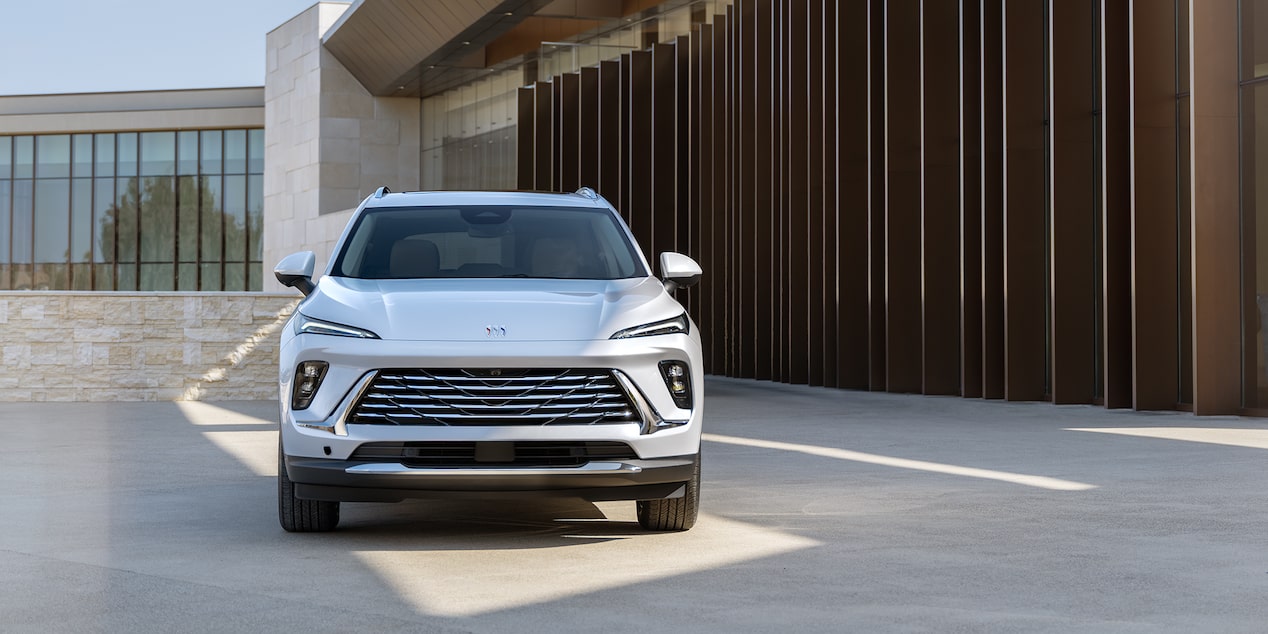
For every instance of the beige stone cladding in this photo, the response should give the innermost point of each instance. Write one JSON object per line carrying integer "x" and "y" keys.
{"x": 95, "y": 346}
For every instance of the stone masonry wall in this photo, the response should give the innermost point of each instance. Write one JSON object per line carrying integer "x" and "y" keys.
{"x": 95, "y": 346}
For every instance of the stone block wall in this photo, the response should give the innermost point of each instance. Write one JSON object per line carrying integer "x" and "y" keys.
{"x": 95, "y": 346}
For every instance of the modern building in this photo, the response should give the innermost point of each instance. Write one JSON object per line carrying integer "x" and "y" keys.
{"x": 1015, "y": 199}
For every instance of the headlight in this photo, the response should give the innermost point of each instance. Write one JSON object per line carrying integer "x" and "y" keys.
{"x": 305, "y": 324}
{"x": 677, "y": 325}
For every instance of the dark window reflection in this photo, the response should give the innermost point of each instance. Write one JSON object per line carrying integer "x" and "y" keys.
{"x": 163, "y": 210}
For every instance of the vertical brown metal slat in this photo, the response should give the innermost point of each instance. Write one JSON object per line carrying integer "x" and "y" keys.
{"x": 588, "y": 123}
{"x": 557, "y": 123}
{"x": 971, "y": 198}
{"x": 852, "y": 238}
{"x": 1073, "y": 203}
{"x": 776, "y": 95}
{"x": 814, "y": 257}
{"x": 760, "y": 235}
{"x": 627, "y": 151}
{"x": 798, "y": 213}
{"x": 1116, "y": 193}
{"x": 664, "y": 151}
{"x": 688, "y": 120}
{"x": 745, "y": 208}
{"x": 1025, "y": 176}
{"x": 722, "y": 193}
{"x": 706, "y": 114}
{"x": 829, "y": 184}
{"x": 640, "y": 167}
{"x": 543, "y": 174}
{"x": 610, "y": 149}
{"x": 877, "y": 204}
{"x": 1214, "y": 134}
{"x": 1154, "y": 281}
{"x": 992, "y": 122}
{"x": 939, "y": 197}
{"x": 525, "y": 126}
{"x": 903, "y": 339}
{"x": 569, "y": 131}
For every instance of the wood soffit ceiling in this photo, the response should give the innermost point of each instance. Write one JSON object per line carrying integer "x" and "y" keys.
{"x": 408, "y": 48}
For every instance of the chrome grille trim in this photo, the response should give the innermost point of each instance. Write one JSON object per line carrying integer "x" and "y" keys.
{"x": 449, "y": 397}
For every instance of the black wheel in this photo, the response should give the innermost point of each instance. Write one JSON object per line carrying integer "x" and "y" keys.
{"x": 674, "y": 514}
{"x": 302, "y": 516}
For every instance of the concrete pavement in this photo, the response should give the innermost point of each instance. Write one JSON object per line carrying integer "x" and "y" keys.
{"x": 823, "y": 510}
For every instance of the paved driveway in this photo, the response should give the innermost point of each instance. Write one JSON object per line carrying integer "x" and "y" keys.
{"x": 823, "y": 511}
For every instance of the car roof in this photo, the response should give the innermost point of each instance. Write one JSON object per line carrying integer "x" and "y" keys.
{"x": 437, "y": 198}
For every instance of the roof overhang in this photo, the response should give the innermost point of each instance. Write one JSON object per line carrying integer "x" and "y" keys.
{"x": 388, "y": 44}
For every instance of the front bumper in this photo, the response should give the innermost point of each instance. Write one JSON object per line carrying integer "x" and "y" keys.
{"x": 364, "y": 481}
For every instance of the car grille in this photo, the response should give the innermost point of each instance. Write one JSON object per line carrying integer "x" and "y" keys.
{"x": 493, "y": 397}
{"x": 468, "y": 454}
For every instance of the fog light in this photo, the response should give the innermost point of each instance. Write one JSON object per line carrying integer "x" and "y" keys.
{"x": 308, "y": 376}
{"x": 678, "y": 380}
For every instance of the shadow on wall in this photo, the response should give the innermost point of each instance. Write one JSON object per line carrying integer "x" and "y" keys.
{"x": 66, "y": 346}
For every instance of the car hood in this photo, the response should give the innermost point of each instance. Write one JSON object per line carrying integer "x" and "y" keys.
{"x": 485, "y": 309}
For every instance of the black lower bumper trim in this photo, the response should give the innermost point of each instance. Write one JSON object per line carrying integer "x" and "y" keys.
{"x": 330, "y": 480}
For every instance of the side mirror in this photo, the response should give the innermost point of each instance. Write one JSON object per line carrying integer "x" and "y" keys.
{"x": 296, "y": 271}
{"x": 678, "y": 271}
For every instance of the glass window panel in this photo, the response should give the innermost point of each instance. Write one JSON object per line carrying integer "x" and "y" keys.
{"x": 126, "y": 196}
{"x": 6, "y": 157}
{"x": 158, "y": 153}
{"x": 103, "y": 277}
{"x": 4, "y": 276}
{"x": 187, "y": 194}
{"x": 105, "y": 155}
{"x": 235, "y": 151}
{"x": 52, "y": 220}
{"x": 21, "y": 275}
{"x": 51, "y": 277}
{"x": 23, "y": 199}
{"x": 254, "y": 272}
{"x": 187, "y": 152}
{"x": 81, "y": 220}
{"x": 127, "y": 154}
{"x": 158, "y": 220}
{"x": 127, "y": 277}
{"x": 6, "y": 217}
{"x": 255, "y": 216}
{"x": 187, "y": 277}
{"x": 82, "y": 145}
{"x": 157, "y": 277}
{"x": 104, "y": 213}
{"x": 52, "y": 156}
{"x": 235, "y": 218}
{"x": 255, "y": 151}
{"x": 81, "y": 277}
{"x": 23, "y": 157}
{"x": 212, "y": 214}
{"x": 210, "y": 154}
{"x": 235, "y": 276}
{"x": 210, "y": 277}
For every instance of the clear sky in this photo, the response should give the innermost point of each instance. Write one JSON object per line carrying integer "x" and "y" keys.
{"x": 61, "y": 46}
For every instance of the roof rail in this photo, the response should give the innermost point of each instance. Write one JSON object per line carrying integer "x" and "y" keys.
{"x": 588, "y": 193}
{"x": 378, "y": 193}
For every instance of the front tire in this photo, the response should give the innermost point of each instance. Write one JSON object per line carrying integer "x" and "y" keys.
{"x": 673, "y": 514}
{"x": 302, "y": 516}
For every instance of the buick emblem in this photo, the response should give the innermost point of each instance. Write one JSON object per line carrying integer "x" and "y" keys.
{"x": 495, "y": 332}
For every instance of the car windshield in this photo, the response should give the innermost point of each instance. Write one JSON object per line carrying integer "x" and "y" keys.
{"x": 487, "y": 241}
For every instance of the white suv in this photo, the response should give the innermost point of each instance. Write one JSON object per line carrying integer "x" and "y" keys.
{"x": 488, "y": 344}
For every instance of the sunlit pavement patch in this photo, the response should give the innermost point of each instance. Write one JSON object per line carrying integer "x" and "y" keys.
{"x": 471, "y": 582}
{"x": 1251, "y": 438}
{"x": 1041, "y": 482}
{"x": 255, "y": 449}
